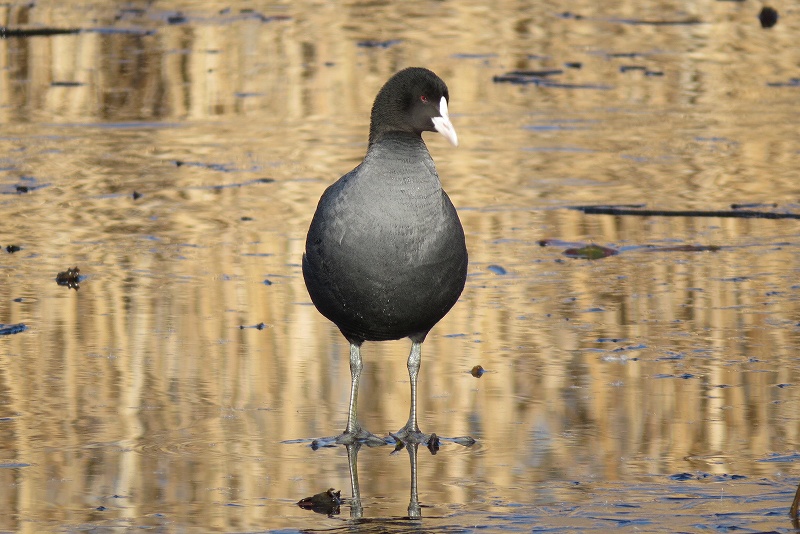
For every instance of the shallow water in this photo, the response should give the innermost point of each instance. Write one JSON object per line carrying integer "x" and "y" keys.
{"x": 653, "y": 390}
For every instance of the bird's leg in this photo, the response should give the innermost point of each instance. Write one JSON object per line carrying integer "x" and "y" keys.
{"x": 414, "y": 361}
{"x": 356, "y": 365}
{"x": 356, "y": 508}
{"x": 414, "y": 508}
{"x": 353, "y": 432}
{"x": 410, "y": 432}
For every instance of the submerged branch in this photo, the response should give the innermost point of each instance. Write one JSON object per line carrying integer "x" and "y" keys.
{"x": 626, "y": 210}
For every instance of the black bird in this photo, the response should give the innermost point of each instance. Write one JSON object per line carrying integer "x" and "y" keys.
{"x": 385, "y": 254}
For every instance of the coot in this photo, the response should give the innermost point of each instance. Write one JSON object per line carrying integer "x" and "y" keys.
{"x": 385, "y": 254}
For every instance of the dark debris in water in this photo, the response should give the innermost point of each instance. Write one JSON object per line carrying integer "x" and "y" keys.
{"x": 24, "y": 33}
{"x": 477, "y": 371}
{"x": 590, "y": 252}
{"x": 66, "y": 84}
{"x": 237, "y": 184}
{"x": 433, "y": 444}
{"x": 684, "y": 376}
{"x": 244, "y": 184}
{"x": 27, "y": 184}
{"x": 372, "y": 43}
{"x": 9, "y": 329}
{"x": 743, "y": 214}
{"x": 793, "y": 82}
{"x": 177, "y": 18}
{"x": 780, "y": 458}
{"x": 640, "y": 346}
{"x": 645, "y": 22}
{"x": 768, "y": 17}
{"x": 7, "y": 33}
{"x": 628, "y": 55}
{"x": 685, "y": 248}
{"x": 701, "y": 475}
{"x": 641, "y": 68}
{"x": 752, "y": 205}
{"x": 13, "y": 248}
{"x": 465, "y": 55}
{"x": 497, "y": 269}
{"x": 70, "y": 278}
{"x": 541, "y": 78}
{"x": 326, "y": 502}
{"x": 259, "y": 326}
{"x": 252, "y": 13}
{"x": 13, "y": 465}
{"x": 212, "y": 166}
{"x": 628, "y": 68}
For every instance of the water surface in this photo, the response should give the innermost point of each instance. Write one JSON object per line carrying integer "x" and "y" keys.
{"x": 175, "y": 152}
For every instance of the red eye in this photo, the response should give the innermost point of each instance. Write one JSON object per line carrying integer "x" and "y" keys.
{"x": 424, "y": 99}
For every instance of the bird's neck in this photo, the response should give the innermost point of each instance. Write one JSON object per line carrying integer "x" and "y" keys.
{"x": 401, "y": 160}
{"x": 396, "y": 141}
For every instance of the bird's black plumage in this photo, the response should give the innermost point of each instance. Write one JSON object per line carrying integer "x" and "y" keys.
{"x": 385, "y": 254}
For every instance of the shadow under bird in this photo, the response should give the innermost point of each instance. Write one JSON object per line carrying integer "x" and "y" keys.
{"x": 385, "y": 254}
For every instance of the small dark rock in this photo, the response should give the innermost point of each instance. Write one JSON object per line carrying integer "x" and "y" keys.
{"x": 477, "y": 371}
{"x": 136, "y": 195}
{"x": 267, "y": 282}
{"x": 573, "y": 64}
{"x": 246, "y": 218}
{"x": 12, "y": 249}
{"x": 768, "y": 17}
{"x": 22, "y": 189}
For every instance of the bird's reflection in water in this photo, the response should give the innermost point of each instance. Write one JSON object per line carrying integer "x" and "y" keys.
{"x": 329, "y": 500}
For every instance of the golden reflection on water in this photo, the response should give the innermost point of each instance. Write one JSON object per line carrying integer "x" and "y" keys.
{"x": 140, "y": 393}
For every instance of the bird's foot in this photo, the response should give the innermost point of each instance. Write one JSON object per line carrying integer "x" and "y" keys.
{"x": 411, "y": 435}
{"x": 359, "y": 435}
